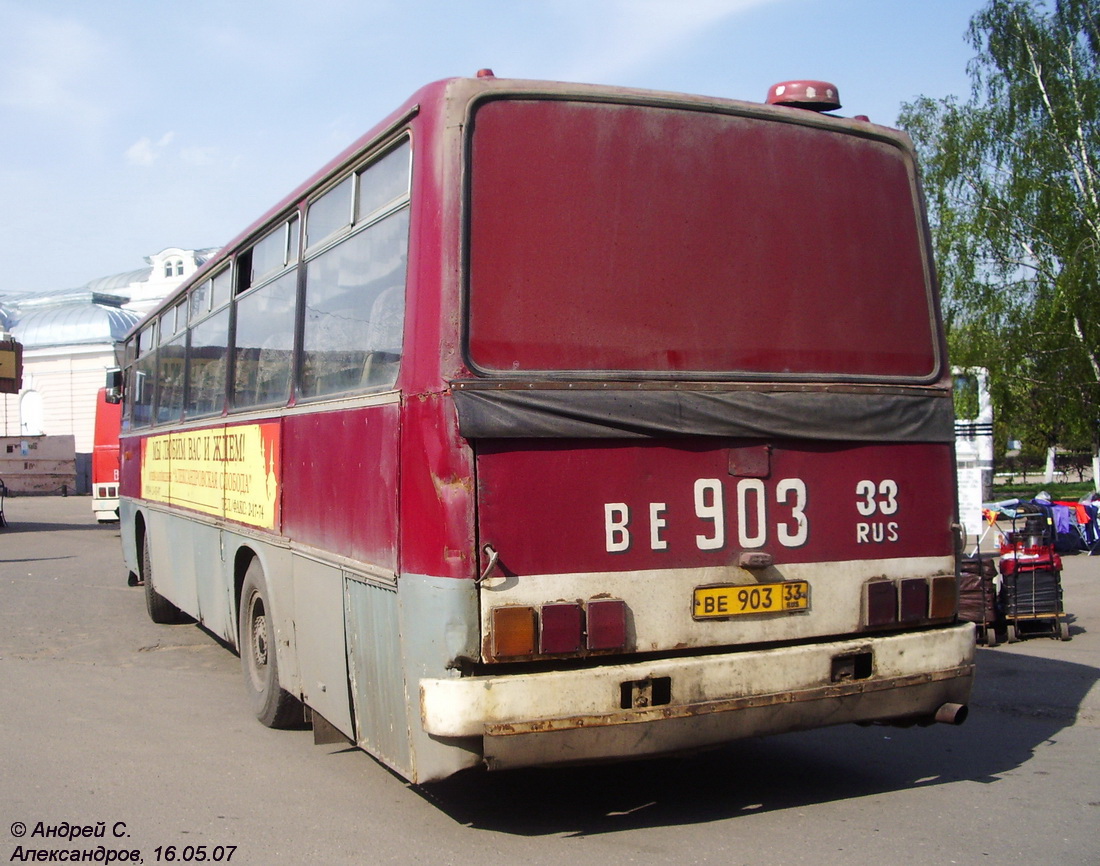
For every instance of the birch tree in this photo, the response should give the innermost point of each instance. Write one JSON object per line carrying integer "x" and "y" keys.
{"x": 1013, "y": 182}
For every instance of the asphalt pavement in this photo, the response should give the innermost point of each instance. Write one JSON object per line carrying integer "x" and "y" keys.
{"x": 120, "y": 736}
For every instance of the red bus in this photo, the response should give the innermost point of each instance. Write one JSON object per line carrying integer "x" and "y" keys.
{"x": 554, "y": 423}
{"x": 105, "y": 462}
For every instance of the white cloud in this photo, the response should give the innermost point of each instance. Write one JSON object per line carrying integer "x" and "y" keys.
{"x": 145, "y": 151}
{"x": 141, "y": 152}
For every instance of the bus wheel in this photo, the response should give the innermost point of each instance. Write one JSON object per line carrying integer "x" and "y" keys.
{"x": 274, "y": 706}
{"x": 161, "y": 610}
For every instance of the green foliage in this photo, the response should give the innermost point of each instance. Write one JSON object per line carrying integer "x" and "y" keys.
{"x": 1013, "y": 183}
{"x": 1059, "y": 491}
{"x": 967, "y": 404}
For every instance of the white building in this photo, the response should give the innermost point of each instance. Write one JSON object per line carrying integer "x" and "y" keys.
{"x": 68, "y": 340}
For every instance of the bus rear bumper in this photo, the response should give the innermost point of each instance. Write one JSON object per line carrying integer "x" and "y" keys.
{"x": 673, "y": 705}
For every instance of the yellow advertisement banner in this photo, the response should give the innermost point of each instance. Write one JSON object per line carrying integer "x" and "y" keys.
{"x": 230, "y": 472}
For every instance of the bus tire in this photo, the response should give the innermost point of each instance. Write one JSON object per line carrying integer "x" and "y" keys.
{"x": 273, "y": 705}
{"x": 161, "y": 610}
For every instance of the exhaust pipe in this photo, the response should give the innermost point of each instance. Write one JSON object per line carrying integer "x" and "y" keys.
{"x": 952, "y": 714}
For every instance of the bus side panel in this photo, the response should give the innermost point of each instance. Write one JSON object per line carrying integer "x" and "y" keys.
{"x": 319, "y": 640}
{"x": 374, "y": 667}
{"x": 437, "y": 491}
{"x": 217, "y": 608}
{"x": 187, "y": 565}
{"x": 439, "y": 630}
{"x": 340, "y": 483}
{"x": 171, "y": 541}
{"x": 130, "y": 467}
{"x": 127, "y": 509}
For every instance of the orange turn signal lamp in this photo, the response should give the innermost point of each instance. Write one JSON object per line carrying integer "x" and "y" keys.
{"x": 559, "y": 628}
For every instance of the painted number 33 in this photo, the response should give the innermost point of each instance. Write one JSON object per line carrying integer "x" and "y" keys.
{"x": 877, "y": 500}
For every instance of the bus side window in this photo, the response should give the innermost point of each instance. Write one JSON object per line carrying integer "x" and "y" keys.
{"x": 207, "y": 361}
{"x": 243, "y": 273}
{"x": 170, "y": 372}
{"x": 219, "y": 287}
{"x": 330, "y": 214}
{"x": 384, "y": 183}
{"x": 199, "y": 300}
{"x": 141, "y": 388}
{"x": 355, "y": 307}
{"x": 264, "y": 343}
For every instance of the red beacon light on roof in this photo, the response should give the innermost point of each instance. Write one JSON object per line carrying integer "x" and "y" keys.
{"x": 810, "y": 95}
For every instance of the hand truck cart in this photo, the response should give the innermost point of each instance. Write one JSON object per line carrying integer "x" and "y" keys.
{"x": 1031, "y": 579}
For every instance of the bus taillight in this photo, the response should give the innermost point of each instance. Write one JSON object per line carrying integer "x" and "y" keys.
{"x": 562, "y": 628}
{"x": 945, "y": 597}
{"x": 910, "y": 601}
{"x": 606, "y": 624}
{"x": 513, "y": 631}
{"x": 559, "y": 628}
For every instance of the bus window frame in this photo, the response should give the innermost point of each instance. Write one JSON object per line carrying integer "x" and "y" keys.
{"x": 361, "y": 222}
{"x": 246, "y": 296}
{"x": 310, "y": 246}
{"x": 146, "y": 335}
{"x": 187, "y": 396}
{"x": 177, "y": 391}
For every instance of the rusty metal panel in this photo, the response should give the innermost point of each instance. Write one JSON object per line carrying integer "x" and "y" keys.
{"x": 374, "y": 666}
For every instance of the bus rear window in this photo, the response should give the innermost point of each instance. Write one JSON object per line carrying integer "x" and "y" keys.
{"x": 636, "y": 239}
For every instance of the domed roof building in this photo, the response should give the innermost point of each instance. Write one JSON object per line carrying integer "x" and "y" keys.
{"x": 69, "y": 338}
{"x": 7, "y": 319}
{"x": 77, "y": 322}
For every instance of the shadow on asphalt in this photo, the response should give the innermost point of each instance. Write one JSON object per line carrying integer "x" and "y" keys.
{"x": 787, "y": 771}
{"x": 17, "y": 526}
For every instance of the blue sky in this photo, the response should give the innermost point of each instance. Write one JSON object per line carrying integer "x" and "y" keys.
{"x": 130, "y": 126}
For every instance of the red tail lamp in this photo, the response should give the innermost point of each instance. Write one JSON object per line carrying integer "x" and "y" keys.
{"x": 914, "y": 600}
{"x": 562, "y": 628}
{"x": 882, "y": 602}
{"x": 606, "y": 624}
